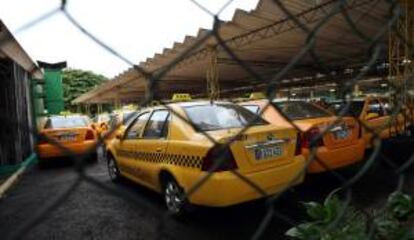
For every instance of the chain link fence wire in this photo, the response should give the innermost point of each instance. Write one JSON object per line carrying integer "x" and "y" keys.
{"x": 271, "y": 85}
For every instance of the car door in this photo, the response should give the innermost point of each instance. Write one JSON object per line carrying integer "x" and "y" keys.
{"x": 127, "y": 147}
{"x": 375, "y": 118}
{"x": 152, "y": 146}
{"x": 398, "y": 122}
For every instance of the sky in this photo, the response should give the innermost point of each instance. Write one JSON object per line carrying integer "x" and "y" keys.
{"x": 136, "y": 29}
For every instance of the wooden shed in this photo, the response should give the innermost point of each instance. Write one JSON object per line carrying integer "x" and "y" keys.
{"x": 17, "y": 70}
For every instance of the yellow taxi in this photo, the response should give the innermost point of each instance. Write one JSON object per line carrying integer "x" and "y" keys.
{"x": 339, "y": 147}
{"x": 375, "y": 113}
{"x": 163, "y": 152}
{"x": 117, "y": 122}
{"x": 73, "y": 132}
{"x": 100, "y": 123}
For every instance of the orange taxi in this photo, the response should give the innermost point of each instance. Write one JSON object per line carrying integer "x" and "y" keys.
{"x": 375, "y": 113}
{"x": 340, "y": 146}
{"x": 117, "y": 122}
{"x": 72, "y": 132}
{"x": 100, "y": 123}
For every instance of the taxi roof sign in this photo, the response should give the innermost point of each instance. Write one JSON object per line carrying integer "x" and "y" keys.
{"x": 129, "y": 107}
{"x": 65, "y": 113}
{"x": 257, "y": 95}
{"x": 181, "y": 97}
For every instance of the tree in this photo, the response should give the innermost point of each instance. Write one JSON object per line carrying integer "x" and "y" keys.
{"x": 77, "y": 82}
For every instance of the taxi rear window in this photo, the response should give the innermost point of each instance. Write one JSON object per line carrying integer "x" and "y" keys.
{"x": 221, "y": 116}
{"x": 301, "y": 110}
{"x": 354, "y": 110}
{"x": 66, "y": 122}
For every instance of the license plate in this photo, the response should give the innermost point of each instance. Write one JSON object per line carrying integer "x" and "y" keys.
{"x": 268, "y": 152}
{"x": 67, "y": 137}
{"x": 341, "y": 134}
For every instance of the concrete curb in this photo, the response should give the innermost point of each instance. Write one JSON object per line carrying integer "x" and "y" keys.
{"x": 15, "y": 176}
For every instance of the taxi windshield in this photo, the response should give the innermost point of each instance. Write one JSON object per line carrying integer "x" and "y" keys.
{"x": 297, "y": 110}
{"x": 221, "y": 116}
{"x": 354, "y": 110}
{"x": 66, "y": 122}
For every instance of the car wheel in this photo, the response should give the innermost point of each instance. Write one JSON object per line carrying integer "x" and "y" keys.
{"x": 174, "y": 198}
{"x": 113, "y": 170}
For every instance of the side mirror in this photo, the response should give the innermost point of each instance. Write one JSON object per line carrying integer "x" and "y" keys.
{"x": 371, "y": 116}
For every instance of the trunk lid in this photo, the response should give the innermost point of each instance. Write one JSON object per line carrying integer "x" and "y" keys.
{"x": 260, "y": 147}
{"x": 67, "y": 135}
{"x": 342, "y": 134}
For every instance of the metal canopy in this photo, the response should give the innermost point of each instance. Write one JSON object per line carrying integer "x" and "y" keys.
{"x": 266, "y": 40}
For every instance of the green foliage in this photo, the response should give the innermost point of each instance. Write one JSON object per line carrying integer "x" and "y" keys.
{"x": 392, "y": 222}
{"x": 401, "y": 205}
{"x": 77, "y": 82}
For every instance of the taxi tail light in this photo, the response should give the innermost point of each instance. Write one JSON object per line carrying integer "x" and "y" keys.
{"x": 311, "y": 137}
{"x": 89, "y": 135}
{"x": 219, "y": 153}
{"x": 298, "y": 149}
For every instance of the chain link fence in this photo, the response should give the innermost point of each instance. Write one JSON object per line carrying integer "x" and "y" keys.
{"x": 401, "y": 106}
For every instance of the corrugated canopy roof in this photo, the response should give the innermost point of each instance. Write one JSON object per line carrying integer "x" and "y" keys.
{"x": 266, "y": 39}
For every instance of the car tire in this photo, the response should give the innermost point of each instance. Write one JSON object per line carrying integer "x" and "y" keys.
{"x": 113, "y": 170}
{"x": 174, "y": 198}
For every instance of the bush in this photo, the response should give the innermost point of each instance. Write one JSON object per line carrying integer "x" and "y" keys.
{"x": 332, "y": 219}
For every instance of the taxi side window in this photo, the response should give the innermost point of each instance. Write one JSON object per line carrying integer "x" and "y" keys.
{"x": 137, "y": 127}
{"x": 252, "y": 108}
{"x": 375, "y": 107}
{"x": 157, "y": 126}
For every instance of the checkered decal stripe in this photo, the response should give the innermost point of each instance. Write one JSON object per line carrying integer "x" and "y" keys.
{"x": 189, "y": 161}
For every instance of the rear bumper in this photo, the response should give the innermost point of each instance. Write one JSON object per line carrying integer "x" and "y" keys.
{"x": 336, "y": 158}
{"x": 50, "y": 151}
{"x": 225, "y": 188}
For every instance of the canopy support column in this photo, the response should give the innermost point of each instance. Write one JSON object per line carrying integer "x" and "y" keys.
{"x": 212, "y": 75}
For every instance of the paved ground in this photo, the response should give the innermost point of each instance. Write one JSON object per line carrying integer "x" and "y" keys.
{"x": 91, "y": 213}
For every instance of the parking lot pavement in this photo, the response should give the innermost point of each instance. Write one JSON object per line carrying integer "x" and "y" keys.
{"x": 91, "y": 213}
